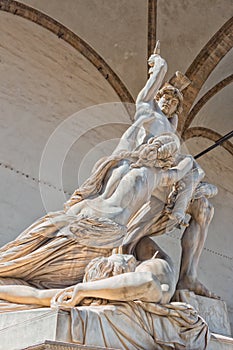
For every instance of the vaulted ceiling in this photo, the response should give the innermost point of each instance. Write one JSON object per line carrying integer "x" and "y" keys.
{"x": 58, "y": 58}
{"x": 118, "y": 36}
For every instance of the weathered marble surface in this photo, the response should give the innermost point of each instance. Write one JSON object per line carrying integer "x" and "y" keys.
{"x": 109, "y": 209}
{"x": 25, "y": 328}
{"x": 35, "y": 326}
{"x": 54, "y": 345}
{"x": 216, "y": 343}
{"x": 45, "y": 329}
{"x": 213, "y": 311}
{"x": 124, "y": 304}
{"x": 219, "y": 342}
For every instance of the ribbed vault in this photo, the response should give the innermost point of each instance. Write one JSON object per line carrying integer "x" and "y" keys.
{"x": 205, "y": 62}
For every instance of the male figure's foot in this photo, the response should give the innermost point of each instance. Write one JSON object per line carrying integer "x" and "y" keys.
{"x": 197, "y": 287}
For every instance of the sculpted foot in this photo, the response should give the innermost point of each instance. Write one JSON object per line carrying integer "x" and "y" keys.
{"x": 197, "y": 287}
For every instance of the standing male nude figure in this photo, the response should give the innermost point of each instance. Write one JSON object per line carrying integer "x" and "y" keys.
{"x": 161, "y": 106}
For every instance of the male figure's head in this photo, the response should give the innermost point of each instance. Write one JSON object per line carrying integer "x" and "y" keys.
{"x": 169, "y": 100}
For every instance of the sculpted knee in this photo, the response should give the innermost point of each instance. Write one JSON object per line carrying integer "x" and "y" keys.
{"x": 203, "y": 211}
{"x": 208, "y": 208}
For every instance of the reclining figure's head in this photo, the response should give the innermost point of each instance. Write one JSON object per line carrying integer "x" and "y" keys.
{"x": 116, "y": 264}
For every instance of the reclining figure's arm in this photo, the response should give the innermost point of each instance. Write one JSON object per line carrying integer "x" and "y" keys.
{"x": 125, "y": 287}
{"x": 27, "y": 295}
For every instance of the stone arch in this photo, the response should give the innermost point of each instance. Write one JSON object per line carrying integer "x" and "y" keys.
{"x": 152, "y": 25}
{"x": 208, "y": 134}
{"x": 204, "y": 63}
{"x": 205, "y": 98}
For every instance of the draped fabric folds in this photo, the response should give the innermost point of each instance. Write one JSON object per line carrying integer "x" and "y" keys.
{"x": 54, "y": 251}
{"x": 139, "y": 325}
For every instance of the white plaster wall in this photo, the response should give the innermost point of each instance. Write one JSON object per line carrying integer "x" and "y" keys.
{"x": 44, "y": 82}
{"x": 185, "y": 26}
{"x": 117, "y": 30}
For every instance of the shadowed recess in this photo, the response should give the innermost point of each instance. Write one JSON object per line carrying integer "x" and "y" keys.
{"x": 152, "y": 24}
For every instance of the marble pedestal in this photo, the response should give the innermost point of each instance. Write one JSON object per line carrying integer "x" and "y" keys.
{"x": 54, "y": 345}
{"x": 21, "y": 329}
{"x": 47, "y": 329}
{"x": 213, "y": 311}
{"x": 216, "y": 343}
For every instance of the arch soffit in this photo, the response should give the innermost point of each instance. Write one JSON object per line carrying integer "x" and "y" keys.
{"x": 198, "y": 72}
{"x": 47, "y": 22}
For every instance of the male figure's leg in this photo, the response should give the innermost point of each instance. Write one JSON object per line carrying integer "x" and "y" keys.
{"x": 192, "y": 242}
{"x": 185, "y": 189}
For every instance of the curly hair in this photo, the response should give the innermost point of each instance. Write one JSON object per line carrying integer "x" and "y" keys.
{"x": 102, "y": 267}
{"x": 159, "y": 151}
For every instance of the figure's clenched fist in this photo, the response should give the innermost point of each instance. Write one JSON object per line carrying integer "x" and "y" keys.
{"x": 154, "y": 61}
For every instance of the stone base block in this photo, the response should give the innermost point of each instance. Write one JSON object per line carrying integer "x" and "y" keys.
{"x": 217, "y": 342}
{"x": 54, "y": 345}
{"x": 46, "y": 329}
{"x": 213, "y": 311}
{"x": 21, "y": 329}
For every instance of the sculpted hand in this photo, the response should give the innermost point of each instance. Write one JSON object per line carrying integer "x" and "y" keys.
{"x": 155, "y": 54}
{"x": 155, "y": 59}
{"x": 66, "y": 298}
{"x": 152, "y": 59}
{"x": 167, "y": 150}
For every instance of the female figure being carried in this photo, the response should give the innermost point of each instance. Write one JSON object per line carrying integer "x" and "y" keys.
{"x": 54, "y": 251}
